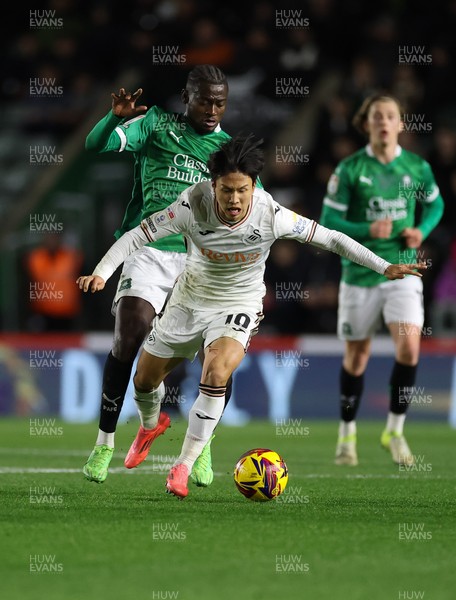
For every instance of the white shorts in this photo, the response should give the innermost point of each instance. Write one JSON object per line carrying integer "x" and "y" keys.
{"x": 361, "y": 308}
{"x": 149, "y": 274}
{"x": 180, "y": 331}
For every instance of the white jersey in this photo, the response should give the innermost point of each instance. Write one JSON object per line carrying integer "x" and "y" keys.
{"x": 226, "y": 261}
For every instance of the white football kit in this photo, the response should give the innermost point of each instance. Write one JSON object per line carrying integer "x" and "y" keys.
{"x": 220, "y": 291}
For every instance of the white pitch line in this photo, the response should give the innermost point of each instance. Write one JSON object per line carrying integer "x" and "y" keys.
{"x": 47, "y": 452}
{"x": 54, "y": 452}
{"x": 64, "y": 452}
{"x": 164, "y": 468}
{"x": 113, "y": 470}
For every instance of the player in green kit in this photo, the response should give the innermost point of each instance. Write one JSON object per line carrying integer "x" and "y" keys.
{"x": 372, "y": 197}
{"x": 170, "y": 152}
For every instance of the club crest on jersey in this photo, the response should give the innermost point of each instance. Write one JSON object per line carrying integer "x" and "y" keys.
{"x": 125, "y": 284}
{"x": 252, "y": 236}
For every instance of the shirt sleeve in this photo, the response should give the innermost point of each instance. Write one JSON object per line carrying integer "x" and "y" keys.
{"x": 134, "y": 133}
{"x": 176, "y": 218}
{"x": 432, "y": 202}
{"x": 342, "y": 244}
{"x": 103, "y": 138}
{"x": 290, "y": 225}
{"x": 115, "y": 256}
{"x": 116, "y": 135}
{"x": 336, "y": 203}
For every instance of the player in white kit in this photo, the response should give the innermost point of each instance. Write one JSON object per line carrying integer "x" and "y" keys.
{"x": 229, "y": 225}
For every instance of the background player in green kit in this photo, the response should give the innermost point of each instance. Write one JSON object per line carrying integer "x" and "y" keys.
{"x": 170, "y": 152}
{"x": 372, "y": 197}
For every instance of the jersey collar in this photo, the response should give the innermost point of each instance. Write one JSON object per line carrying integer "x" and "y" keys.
{"x": 370, "y": 152}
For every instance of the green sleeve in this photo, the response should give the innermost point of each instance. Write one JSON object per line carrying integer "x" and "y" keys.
{"x": 433, "y": 203}
{"x": 335, "y": 207}
{"x": 102, "y": 138}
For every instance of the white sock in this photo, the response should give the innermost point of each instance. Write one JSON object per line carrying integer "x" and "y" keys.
{"x": 346, "y": 429}
{"x": 148, "y": 405}
{"x": 105, "y": 438}
{"x": 395, "y": 423}
{"x": 200, "y": 428}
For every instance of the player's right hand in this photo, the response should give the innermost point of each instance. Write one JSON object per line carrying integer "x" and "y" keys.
{"x": 94, "y": 283}
{"x": 381, "y": 229}
{"x": 401, "y": 270}
{"x": 124, "y": 103}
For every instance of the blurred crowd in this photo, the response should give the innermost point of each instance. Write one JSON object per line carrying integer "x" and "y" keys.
{"x": 339, "y": 52}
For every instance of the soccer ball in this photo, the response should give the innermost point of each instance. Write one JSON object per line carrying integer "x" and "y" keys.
{"x": 261, "y": 474}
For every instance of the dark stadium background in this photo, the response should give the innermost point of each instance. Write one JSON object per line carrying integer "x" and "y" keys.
{"x": 336, "y": 53}
{"x": 354, "y": 527}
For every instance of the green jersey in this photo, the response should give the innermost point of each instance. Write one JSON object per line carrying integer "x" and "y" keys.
{"x": 169, "y": 157}
{"x": 363, "y": 190}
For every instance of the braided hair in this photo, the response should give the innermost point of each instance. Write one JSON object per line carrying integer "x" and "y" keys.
{"x": 205, "y": 74}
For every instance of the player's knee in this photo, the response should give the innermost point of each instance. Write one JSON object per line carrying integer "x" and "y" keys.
{"x": 217, "y": 375}
{"x": 144, "y": 382}
{"x": 408, "y": 353}
{"x": 128, "y": 339}
{"x": 355, "y": 362}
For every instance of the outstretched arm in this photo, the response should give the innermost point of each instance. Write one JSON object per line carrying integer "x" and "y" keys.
{"x": 114, "y": 257}
{"x": 345, "y": 246}
{"x": 102, "y": 137}
{"x": 175, "y": 219}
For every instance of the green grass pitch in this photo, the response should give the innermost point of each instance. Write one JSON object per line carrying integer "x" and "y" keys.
{"x": 364, "y": 533}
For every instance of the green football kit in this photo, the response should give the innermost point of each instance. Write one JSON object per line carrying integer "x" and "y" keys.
{"x": 169, "y": 157}
{"x": 363, "y": 190}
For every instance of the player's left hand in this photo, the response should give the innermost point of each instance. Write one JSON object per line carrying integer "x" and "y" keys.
{"x": 413, "y": 237}
{"x": 400, "y": 271}
{"x": 94, "y": 283}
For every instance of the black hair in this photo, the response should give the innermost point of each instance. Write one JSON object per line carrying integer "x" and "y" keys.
{"x": 241, "y": 154}
{"x": 206, "y": 74}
